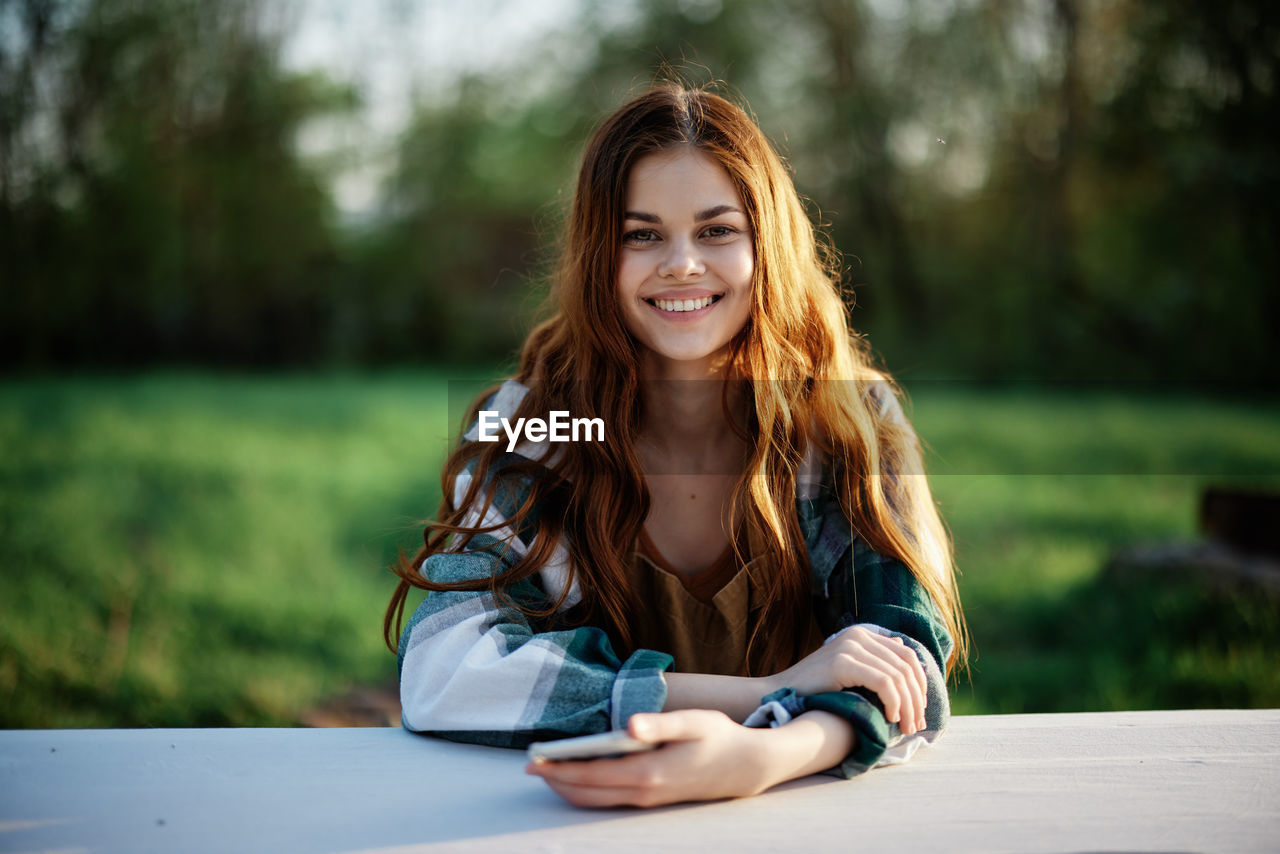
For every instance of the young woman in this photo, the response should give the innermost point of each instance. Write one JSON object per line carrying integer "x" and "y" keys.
{"x": 747, "y": 568}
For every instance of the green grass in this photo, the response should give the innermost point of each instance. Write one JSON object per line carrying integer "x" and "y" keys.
{"x": 1040, "y": 488}
{"x": 195, "y": 549}
{"x": 204, "y": 550}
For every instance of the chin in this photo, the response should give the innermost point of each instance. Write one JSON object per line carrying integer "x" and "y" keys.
{"x": 712, "y": 359}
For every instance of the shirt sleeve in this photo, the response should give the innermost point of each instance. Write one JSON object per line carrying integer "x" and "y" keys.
{"x": 474, "y": 668}
{"x": 880, "y": 593}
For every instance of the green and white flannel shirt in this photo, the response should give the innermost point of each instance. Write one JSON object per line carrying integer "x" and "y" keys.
{"x": 472, "y": 670}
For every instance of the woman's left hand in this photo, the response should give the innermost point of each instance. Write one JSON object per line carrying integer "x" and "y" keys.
{"x": 704, "y": 756}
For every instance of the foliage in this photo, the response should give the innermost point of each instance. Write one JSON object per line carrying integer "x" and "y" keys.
{"x": 167, "y": 216}
{"x": 195, "y": 549}
{"x": 1022, "y": 189}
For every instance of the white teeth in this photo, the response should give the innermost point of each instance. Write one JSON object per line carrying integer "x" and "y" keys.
{"x": 683, "y": 304}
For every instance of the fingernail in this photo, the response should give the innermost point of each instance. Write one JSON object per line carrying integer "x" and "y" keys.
{"x": 920, "y": 724}
{"x": 641, "y": 729}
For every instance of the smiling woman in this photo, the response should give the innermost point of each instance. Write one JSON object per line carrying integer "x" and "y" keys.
{"x": 749, "y": 571}
{"x": 686, "y": 265}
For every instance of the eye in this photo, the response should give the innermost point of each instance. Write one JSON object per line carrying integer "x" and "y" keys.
{"x": 719, "y": 232}
{"x": 640, "y": 236}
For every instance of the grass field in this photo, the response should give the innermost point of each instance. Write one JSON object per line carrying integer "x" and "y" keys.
{"x": 195, "y": 549}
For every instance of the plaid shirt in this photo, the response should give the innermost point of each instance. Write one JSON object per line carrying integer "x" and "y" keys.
{"x": 474, "y": 670}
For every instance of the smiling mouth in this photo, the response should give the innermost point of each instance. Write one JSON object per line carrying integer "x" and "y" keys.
{"x": 683, "y": 304}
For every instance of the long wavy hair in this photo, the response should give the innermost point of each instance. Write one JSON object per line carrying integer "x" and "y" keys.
{"x": 809, "y": 381}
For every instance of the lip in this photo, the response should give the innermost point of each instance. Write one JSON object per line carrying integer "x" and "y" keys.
{"x": 683, "y": 316}
{"x": 686, "y": 293}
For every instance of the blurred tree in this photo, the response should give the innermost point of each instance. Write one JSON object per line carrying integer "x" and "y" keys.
{"x": 1185, "y": 188}
{"x": 1022, "y": 188}
{"x": 485, "y": 176}
{"x": 164, "y": 213}
{"x": 454, "y": 265}
{"x": 863, "y": 180}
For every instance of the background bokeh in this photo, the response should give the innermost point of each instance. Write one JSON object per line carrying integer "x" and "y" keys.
{"x": 246, "y": 246}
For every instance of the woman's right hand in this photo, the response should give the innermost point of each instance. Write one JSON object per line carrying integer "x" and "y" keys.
{"x": 860, "y": 658}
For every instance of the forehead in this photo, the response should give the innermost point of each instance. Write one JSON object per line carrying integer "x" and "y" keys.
{"x": 678, "y": 178}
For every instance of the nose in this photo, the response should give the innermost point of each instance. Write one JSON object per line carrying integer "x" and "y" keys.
{"x": 682, "y": 261}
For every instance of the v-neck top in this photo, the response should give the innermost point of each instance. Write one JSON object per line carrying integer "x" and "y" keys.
{"x": 702, "y": 621}
{"x": 702, "y": 586}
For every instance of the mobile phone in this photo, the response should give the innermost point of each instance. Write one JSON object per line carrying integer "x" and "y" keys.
{"x": 614, "y": 743}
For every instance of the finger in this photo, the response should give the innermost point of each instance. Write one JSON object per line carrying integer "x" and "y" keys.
{"x": 883, "y": 672}
{"x": 917, "y": 669}
{"x": 684, "y": 725}
{"x": 906, "y": 717}
{"x": 909, "y": 655}
{"x": 633, "y": 780}
{"x": 585, "y": 795}
{"x": 894, "y": 654}
{"x": 596, "y": 797}
{"x": 875, "y": 675}
{"x": 625, "y": 771}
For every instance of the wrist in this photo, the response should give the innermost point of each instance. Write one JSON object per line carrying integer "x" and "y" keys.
{"x": 736, "y": 696}
{"x": 762, "y": 686}
{"x": 810, "y": 743}
{"x": 767, "y": 758}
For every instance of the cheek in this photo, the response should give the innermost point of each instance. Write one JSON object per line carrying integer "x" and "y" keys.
{"x": 744, "y": 278}
{"x": 626, "y": 288}
{"x": 738, "y": 266}
{"x": 629, "y": 277}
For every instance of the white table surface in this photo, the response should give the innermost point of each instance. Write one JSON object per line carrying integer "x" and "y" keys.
{"x": 1125, "y": 781}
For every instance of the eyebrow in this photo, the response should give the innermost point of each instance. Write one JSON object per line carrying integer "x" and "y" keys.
{"x": 700, "y": 216}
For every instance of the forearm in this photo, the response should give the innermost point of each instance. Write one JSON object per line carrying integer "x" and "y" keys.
{"x": 736, "y": 696}
{"x": 813, "y": 742}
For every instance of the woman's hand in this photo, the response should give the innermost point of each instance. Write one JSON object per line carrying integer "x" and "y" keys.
{"x": 704, "y": 756}
{"x": 859, "y": 657}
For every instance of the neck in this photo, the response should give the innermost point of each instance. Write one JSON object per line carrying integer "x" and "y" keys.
{"x": 685, "y": 429}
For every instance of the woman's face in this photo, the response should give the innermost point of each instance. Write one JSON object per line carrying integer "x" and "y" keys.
{"x": 686, "y": 263}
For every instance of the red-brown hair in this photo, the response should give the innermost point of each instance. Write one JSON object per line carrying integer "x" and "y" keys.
{"x": 809, "y": 381}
